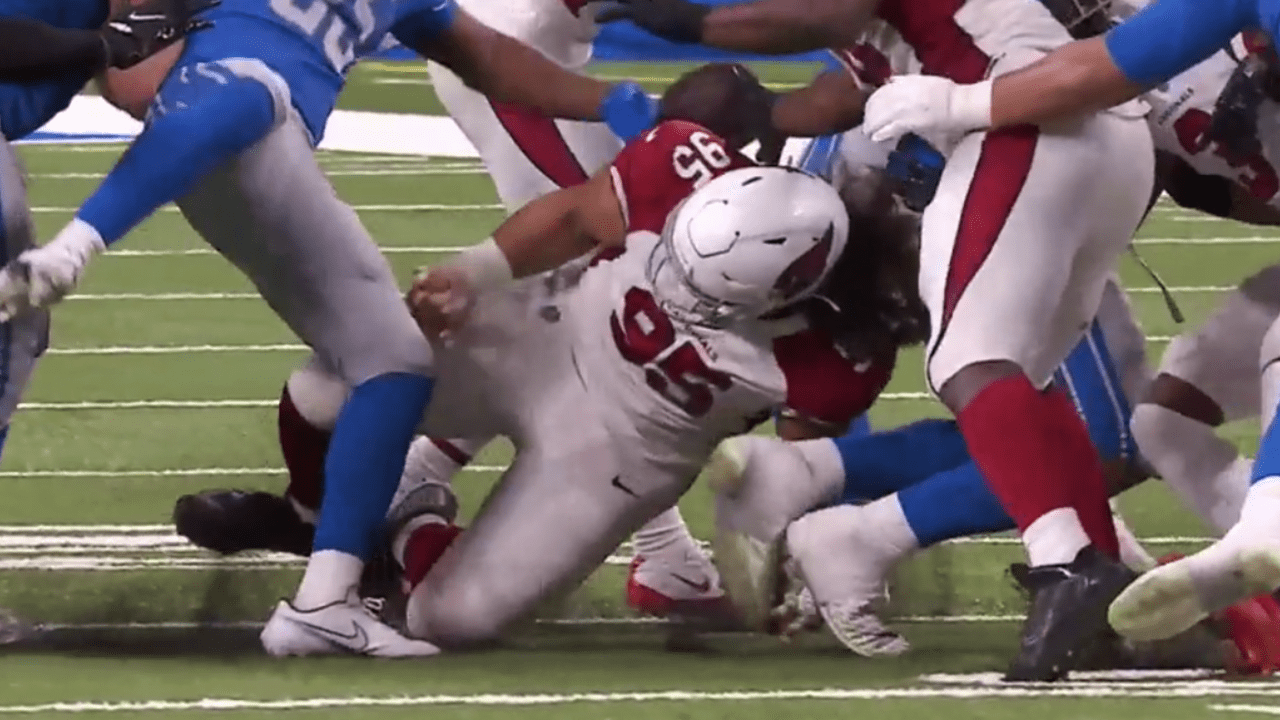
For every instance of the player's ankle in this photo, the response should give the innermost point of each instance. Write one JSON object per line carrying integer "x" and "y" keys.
{"x": 1055, "y": 538}
{"x": 330, "y": 576}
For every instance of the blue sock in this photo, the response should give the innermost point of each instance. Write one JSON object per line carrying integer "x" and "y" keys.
{"x": 4, "y": 435}
{"x": 366, "y": 458}
{"x": 1268, "y": 462}
{"x": 883, "y": 463}
{"x": 951, "y": 504}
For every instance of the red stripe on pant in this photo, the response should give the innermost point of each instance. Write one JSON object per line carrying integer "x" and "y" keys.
{"x": 540, "y": 140}
{"x": 1032, "y": 447}
{"x": 1002, "y": 169}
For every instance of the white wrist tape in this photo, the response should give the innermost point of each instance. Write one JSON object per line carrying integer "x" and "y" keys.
{"x": 971, "y": 105}
{"x": 485, "y": 265}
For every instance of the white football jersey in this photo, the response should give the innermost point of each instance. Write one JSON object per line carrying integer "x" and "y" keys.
{"x": 1182, "y": 110}
{"x": 562, "y": 30}
{"x": 958, "y": 39}
{"x": 670, "y": 391}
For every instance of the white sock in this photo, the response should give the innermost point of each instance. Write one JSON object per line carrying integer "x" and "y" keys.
{"x": 329, "y": 577}
{"x": 1132, "y": 553}
{"x": 1055, "y": 538}
{"x": 889, "y": 523}
{"x": 665, "y": 535}
{"x": 1205, "y": 470}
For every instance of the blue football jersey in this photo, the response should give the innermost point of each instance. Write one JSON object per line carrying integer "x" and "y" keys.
{"x": 313, "y": 43}
{"x": 24, "y": 107}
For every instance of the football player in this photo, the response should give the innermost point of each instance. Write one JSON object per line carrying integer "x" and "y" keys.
{"x": 670, "y": 573}
{"x": 1054, "y": 209}
{"x": 51, "y": 50}
{"x": 230, "y": 137}
{"x": 691, "y": 324}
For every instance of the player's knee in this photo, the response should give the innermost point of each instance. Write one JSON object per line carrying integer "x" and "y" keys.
{"x": 317, "y": 394}
{"x": 460, "y": 615}
{"x": 962, "y": 386}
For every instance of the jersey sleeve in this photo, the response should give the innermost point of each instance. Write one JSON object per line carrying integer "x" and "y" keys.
{"x": 657, "y": 170}
{"x": 1170, "y": 36}
{"x": 822, "y": 384}
{"x": 422, "y": 21}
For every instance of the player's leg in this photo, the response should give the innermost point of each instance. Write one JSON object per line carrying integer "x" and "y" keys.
{"x": 559, "y": 511}
{"x": 317, "y": 267}
{"x": 1028, "y": 204}
{"x": 1206, "y": 379}
{"x": 24, "y": 339}
{"x": 1243, "y": 564}
{"x": 527, "y": 154}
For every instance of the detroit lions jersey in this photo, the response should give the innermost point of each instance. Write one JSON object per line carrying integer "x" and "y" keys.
{"x": 24, "y": 107}
{"x": 1182, "y": 110}
{"x": 312, "y": 44}
{"x": 671, "y": 391}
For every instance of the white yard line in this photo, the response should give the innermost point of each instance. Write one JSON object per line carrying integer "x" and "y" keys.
{"x": 174, "y": 349}
{"x": 1193, "y": 689}
{"x": 1256, "y": 709}
{"x": 247, "y": 404}
{"x": 429, "y": 249}
{"x": 219, "y": 296}
{"x": 432, "y": 207}
{"x": 411, "y": 171}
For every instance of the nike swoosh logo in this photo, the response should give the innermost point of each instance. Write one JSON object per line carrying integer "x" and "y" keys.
{"x": 701, "y": 587}
{"x": 357, "y": 641}
{"x": 617, "y": 482}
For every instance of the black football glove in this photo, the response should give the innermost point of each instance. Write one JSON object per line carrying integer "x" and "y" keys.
{"x": 675, "y": 20}
{"x": 137, "y": 32}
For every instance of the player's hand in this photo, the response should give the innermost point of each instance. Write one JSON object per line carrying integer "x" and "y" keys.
{"x": 38, "y": 278}
{"x": 628, "y": 110}
{"x": 142, "y": 29}
{"x": 675, "y": 20}
{"x": 926, "y": 105}
{"x": 441, "y": 300}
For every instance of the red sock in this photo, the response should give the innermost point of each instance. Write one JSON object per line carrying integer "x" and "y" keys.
{"x": 304, "y": 447}
{"x": 424, "y": 548}
{"x": 1036, "y": 455}
{"x": 1091, "y": 492}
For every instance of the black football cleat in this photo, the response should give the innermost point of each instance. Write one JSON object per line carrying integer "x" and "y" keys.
{"x": 232, "y": 521}
{"x": 1068, "y": 613}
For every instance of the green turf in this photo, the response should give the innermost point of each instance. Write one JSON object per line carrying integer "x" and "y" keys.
{"x": 66, "y": 466}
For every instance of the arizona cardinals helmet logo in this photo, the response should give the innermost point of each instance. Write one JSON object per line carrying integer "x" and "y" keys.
{"x": 805, "y": 271}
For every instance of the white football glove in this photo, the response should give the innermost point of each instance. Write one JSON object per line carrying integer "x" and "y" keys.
{"x": 926, "y": 105}
{"x": 42, "y": 276}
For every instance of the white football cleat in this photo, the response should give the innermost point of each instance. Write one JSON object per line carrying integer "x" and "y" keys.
{"x": 342, "y": 627}
{"x": 841, "y": 562}
{"x": 687, "y": 585}
{"x": 761, "y": 484}
{"x": 1172, "y": 598}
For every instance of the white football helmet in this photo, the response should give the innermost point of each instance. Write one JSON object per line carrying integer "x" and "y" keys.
{"x": 747, "y": 243}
